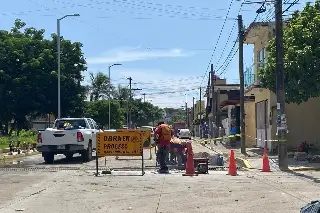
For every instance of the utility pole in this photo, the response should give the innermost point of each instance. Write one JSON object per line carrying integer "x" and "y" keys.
{"x": 144, "y": 97}
{"x": 213, "y": 102}
{"x": 241, "y": 75}
{"x": 281, "y": 115}
{"x": 193, "y": 112}
{"x": 200, "y": 119}
{"x": 130, "y": 101}
{"x": 187, "y": 120}
{"x": 208, "y": 97}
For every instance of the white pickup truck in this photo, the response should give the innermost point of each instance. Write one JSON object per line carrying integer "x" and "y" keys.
{"x": 68, "y": 136}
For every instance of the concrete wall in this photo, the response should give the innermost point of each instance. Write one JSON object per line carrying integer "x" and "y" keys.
{"x": 303, "y": 122}
{"x": 250, "y": 123}
{"x": 302, "y": 119}
{"x": 226, "y": 125}
{"x": 261, "y": 94}
{"x": 221, "y": 98}
{"x": 220, "y": 81}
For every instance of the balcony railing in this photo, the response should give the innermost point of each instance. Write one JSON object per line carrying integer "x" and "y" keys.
{"x": 250, "y": 77}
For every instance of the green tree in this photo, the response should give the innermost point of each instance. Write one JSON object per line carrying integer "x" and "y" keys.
{"x": 28, "y": 65}
{"x": 122, "y": 94}
{"x": 99, "y": 86}
{"x": 144, "y": 113}
{"x": 176, "y": 115}
{"x": 99, "y": 111}
{"x": 301, "y": 57}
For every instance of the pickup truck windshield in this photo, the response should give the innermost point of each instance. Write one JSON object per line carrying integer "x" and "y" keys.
{"x": 70, "y": 124}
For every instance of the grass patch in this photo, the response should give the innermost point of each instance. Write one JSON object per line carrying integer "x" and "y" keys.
{"x": 25, "y": 137}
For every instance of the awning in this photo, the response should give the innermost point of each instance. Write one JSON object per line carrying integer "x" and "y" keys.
{"x": 229, "y": 103}
{"x": 235, "y": 102}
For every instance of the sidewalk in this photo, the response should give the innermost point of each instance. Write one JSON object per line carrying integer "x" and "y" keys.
{"x": 253, "y": 159}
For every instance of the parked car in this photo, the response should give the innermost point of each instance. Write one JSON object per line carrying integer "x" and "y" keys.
{"x": 68, "y": 136}
{"x": 184, "y": 134}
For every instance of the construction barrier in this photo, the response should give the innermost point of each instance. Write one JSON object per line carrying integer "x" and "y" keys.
{"x": 119, "y": 143}
{"x": 146, "y": 138}
{"x": 145, "y": 134}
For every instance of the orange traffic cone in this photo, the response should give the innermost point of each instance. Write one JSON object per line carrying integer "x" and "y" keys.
{"x": 190, "y": 171}
{"x": 232, "y": 165}
{"x": 265, "y": 162}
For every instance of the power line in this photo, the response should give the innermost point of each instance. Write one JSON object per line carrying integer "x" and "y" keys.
{"x": 233, "y": 52}
{"x": 88, "y": 24}
{"x": 168, "y": 9}
{"x": 227, "y": 42}
{"x": 214, "y": 50}
{"x": 146, "y": 9}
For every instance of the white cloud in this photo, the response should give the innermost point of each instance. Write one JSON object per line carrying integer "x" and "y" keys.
{"x": 162, "y": 89}
{"x": 120, "y": 55}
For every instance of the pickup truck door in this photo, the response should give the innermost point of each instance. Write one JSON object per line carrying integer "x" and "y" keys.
{"x": 93, "y": 129}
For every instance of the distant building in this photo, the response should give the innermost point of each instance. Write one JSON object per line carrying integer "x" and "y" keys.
{"x": 43, "y": 122}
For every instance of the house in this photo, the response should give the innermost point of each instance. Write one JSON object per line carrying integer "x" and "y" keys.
{"x": 196, "y": 112}
{"x": 43, "y": 122}
{"x": 260, "y": 118}
{"x": 226, "y": 98}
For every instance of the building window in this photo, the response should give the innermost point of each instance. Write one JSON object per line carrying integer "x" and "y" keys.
{"x": 262, "y": 57}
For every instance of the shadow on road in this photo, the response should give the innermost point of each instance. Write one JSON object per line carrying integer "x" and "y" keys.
{"x": 74, "y": 160}
{"x": 126, "y": 159}
{"x": 309, "y": 177}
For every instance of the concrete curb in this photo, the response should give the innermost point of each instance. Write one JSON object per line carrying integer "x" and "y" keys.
{"x": 241, "y": 161}
{"x": 303, "y": 168}
{"x": 244, "y": 163}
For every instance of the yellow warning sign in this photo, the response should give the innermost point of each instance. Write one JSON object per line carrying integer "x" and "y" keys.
{"x": 127, "y": 143}
{"x": 145, "y": 136}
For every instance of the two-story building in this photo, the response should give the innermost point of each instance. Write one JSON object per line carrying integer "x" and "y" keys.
{"x": 225, "y": 97}
{"x": 195, "y": 112}
{"x": 261, "y": 126}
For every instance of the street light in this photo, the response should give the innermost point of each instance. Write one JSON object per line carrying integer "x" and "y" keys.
{"x": 110, "y": 92}
{"x": 58, "y": 50}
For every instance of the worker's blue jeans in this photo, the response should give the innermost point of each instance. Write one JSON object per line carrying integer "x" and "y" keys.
{"x": 162, "y": 155}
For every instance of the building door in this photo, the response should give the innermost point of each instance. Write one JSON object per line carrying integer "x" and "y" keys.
{"x": 262, "y": 123}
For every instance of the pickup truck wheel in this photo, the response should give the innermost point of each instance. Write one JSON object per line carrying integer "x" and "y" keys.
{"x": 48, "y": 158}
{"x": 87, "y": 154}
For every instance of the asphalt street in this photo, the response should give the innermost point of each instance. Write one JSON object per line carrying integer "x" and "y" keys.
{"x": 36, "y": 161}
{"x": 80, "y": 191}
{"x": 69, "y": 190}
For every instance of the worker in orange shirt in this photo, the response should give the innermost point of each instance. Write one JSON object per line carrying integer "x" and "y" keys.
{"x": 163, "y": 135}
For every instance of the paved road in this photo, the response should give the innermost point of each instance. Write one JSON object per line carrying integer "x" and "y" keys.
{"x": 80, "y": 191}
{"x": 36, "y": 161}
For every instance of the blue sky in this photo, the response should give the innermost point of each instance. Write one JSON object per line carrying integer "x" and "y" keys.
{"x": 165, "y": 46}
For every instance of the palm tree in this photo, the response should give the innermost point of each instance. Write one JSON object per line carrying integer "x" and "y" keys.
{"x": 99, "y": 86}
{"x": 121, "y": 94}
